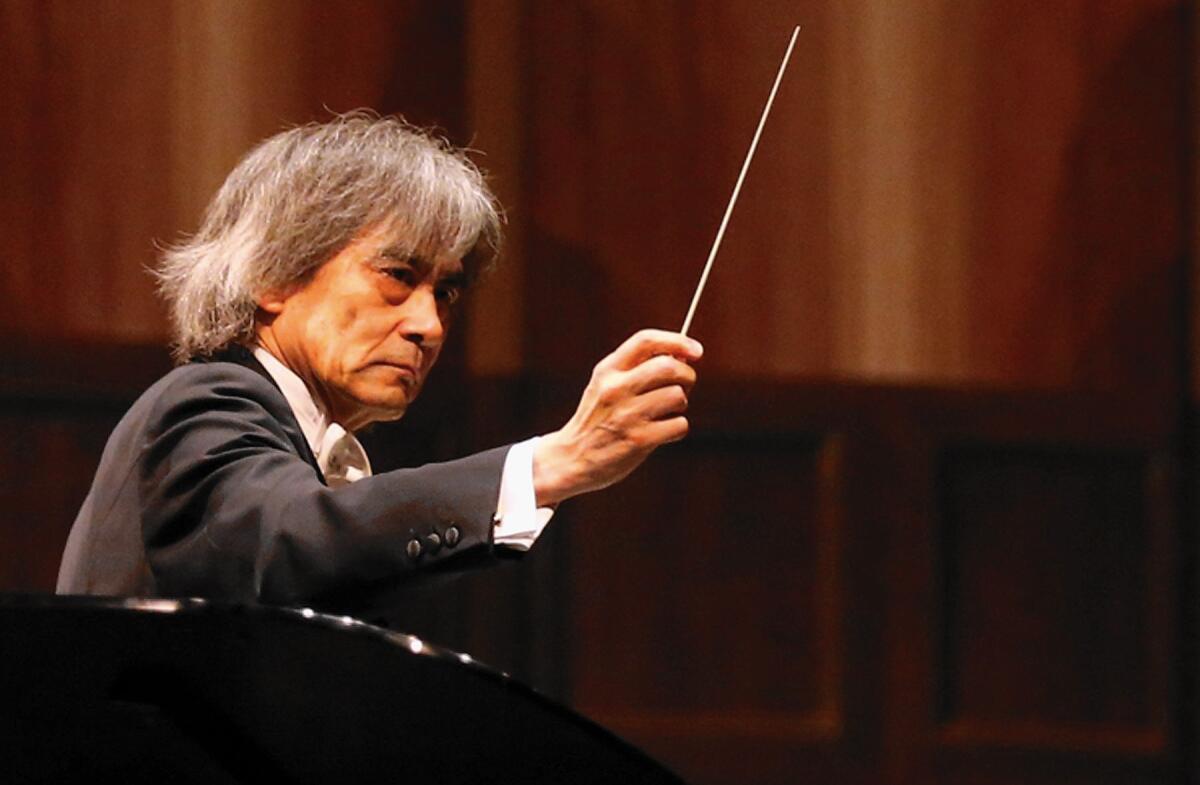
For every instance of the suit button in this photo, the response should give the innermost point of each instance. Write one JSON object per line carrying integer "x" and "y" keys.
{"x": 432, "y": 542}
{"x": 453, "y": 535}
{"x": 413, "y": 549}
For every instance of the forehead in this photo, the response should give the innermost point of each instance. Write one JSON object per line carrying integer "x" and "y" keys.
{"x": 394, "y": 244}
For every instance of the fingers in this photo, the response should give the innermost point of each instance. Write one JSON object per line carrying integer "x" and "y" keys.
{"x": 654, "y": 419}
{"x": 660, "y": 371}
{"x": 645, "y": 344}
{"x": 662, "y": 402}
{"x": 669, "y": 430}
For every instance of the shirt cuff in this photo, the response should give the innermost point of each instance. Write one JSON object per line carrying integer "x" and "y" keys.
{"x": 518, "y": 519}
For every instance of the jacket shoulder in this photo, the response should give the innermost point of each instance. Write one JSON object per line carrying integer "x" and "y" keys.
{"x": 232, "y": 377}
{"x": 217, "y": 384}
{"x": 216, "y": 396}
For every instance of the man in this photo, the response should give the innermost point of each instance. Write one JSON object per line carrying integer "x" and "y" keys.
{"x": 313, "y": 302}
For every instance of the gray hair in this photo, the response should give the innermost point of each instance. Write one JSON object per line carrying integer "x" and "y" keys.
{"x": 303, "y": 195}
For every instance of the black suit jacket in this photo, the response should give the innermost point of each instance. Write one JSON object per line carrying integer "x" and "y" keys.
{"x": 208, "y": 488}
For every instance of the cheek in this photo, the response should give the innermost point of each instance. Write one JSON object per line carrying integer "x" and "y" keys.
{"x": 341, "y": 318}
{"x": 331, "y": 332}
{"x": 354, "y": 335}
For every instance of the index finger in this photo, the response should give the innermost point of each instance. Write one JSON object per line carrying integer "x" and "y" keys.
{"x": 644, "y": 344}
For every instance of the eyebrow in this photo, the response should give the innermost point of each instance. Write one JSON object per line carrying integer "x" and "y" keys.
{"x": 398, "y": 253}
{"x": 457, "y": 276}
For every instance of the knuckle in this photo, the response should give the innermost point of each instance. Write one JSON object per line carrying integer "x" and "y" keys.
{"x": 658, "y": 365}
{"x": 637, "y": 440}
{"x": 608, "y": 388}
{"x": 649, "y": 338}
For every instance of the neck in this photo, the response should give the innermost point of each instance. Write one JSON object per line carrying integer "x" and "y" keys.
{"x": 339, "y": 409}
{"x": 266, "y": 338}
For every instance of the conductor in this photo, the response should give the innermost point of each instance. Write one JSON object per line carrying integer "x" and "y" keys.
{"x": 312, "y": 302}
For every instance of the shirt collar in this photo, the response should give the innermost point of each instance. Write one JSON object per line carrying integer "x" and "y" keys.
{"x": 339, "y": 453}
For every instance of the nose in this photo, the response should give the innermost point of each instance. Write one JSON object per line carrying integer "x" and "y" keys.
{"x": 422, "y": 323}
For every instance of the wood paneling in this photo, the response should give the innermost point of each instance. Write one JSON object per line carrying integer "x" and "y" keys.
{"x": 1052, "y": 551}
{"x": 495, "y": 106}
{"x": 949, "y": 192}
{"x": 85, "y": 161}
{"x": 125, "y": 117}
{"x": 719, "y": 619}
{"x": 1053, "y": 568}
{"x": 46, "y": 474}
{"x": 57, "y": 407}
{"x": 885, "y": 585}
{"x": 760, "y": 643}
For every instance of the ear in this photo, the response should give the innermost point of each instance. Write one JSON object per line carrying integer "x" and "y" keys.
{"x": 273, "y": 302}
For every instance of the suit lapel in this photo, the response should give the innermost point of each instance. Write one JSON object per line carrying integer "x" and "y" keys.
{"x": 242, "y": 356}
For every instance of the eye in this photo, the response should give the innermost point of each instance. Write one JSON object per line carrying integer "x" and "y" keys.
{"x": 448, "y": 294}
{"x": 402, "y": 273}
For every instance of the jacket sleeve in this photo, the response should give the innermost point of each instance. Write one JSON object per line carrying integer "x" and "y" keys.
{"x": 231, "y": 511}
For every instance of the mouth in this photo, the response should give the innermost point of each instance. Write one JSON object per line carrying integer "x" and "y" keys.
{"x": 409, "y": 375}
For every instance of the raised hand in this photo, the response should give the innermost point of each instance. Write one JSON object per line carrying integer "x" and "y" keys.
{"x": 635, "y": 401}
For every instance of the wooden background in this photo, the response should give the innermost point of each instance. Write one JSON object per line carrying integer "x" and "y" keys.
{"x": 935, "y": 523}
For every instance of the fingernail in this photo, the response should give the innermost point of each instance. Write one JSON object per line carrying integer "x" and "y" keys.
{"x": 697, "y": 348}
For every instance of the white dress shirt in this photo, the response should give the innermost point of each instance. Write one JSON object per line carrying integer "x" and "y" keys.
{"x": 518, "y": 519}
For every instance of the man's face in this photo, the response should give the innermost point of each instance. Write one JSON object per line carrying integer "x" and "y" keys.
{"x": 365, "y": 329}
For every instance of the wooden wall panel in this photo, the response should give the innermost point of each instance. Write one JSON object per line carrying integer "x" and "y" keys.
{"x": 718, "y": 621}
{"x": 46, "y": 473}
{"x": 1079, "y": 194}
{"x": 1052, "y": 593}
{"x": 1001, "y": 573}
{"x": 85, "y": 159}
{"x": 1055, "y": 552}
{"x": 125, "y": 117}
{"x": 57, "y": 407}
{"x": 722, "y": 532}
{"x": 638, "y": 119}
{"x": 947, "y": 192}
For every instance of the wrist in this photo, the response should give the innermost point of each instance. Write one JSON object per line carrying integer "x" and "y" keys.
{"x": 551, "y": 478}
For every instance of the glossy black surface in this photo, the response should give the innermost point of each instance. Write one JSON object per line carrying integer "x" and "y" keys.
{"x": 149, "y": 690}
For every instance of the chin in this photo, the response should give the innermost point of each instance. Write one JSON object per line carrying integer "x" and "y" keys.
{"x": 392, "y": 406}
{"x": 390, "y": 414}
{"x": 380, "y": 405}
{"x": 367, "y": 416}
